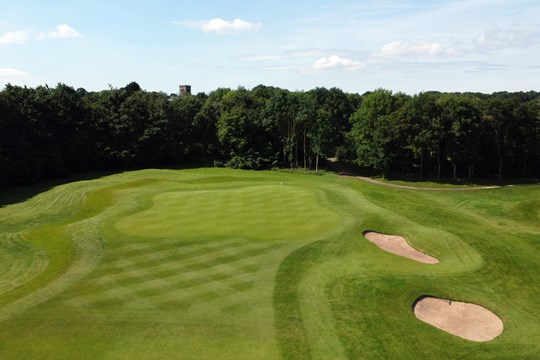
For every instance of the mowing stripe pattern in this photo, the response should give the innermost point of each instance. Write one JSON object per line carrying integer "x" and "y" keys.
{"x": 151, "y": 275}
{"x": 230, "y": 264}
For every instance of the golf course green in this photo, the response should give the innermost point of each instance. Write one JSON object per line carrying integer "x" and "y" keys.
{"x": 232, "y": 264}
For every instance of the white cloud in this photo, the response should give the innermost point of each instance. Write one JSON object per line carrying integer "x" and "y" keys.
{"x": 497, "y": 38}
{"x": 14, "y": 37}
{"x": 13, "y": 76}
{"x": 62, "y": 31}
{"x": 415, "y": 49}
{"x": 221, "y": 26}
{"x": 335, "y": 61}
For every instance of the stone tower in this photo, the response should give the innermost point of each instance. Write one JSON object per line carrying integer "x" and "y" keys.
{"x": 185, "y": 90}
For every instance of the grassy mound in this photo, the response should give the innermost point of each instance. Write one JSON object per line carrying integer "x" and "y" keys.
{"x": 218, "y": 263}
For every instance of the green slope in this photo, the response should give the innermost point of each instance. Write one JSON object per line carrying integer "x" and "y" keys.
{"x": 218, "y": 263}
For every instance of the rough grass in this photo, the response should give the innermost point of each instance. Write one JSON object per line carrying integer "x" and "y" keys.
{"x": 217, "y": 263}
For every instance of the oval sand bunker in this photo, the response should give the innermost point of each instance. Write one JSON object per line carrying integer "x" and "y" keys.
{"x": 468, "y": 321}
{"x": 399, "y": 246}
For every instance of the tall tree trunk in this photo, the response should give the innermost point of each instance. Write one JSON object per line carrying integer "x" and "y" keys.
{"x": 291, "y": 158}
{"x": 421, "y": 164}
{"x": 289, "y": 142}
{"x": 316, "y": 162}
{"x": 454, "y": 165}
{"x": 500, "y": 166}
{"x": 296, "y": 154}
{"x": 438, "y": 162}
{"x": 305, "y": 163}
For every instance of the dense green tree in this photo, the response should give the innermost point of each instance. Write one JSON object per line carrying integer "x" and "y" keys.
{"x": 373, "y": 134}
{"x": 321, "y": 143}
{"x": 306, "y": 120}
{"x": 241, "y": 131}
{"x": 279, "y": 120}
{"x": 501, "y": 118}
{"x": 526, "y": 137}
{"x": 189, "y": 135}
{"x": 205, "y": 123}
{"x": 155, "y": 146}
{"x": 48, "y": 132}
{"x": 414, "y": 124}
{"x": 335, "y": 104}
{"x": 461, "y": 114}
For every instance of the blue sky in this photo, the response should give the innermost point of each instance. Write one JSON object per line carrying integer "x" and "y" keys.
{"x": 409, "y": 46}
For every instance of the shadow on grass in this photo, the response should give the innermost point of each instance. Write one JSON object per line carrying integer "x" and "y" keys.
{"x": 349, "y": 169}
{"x": 346, "y": 168}
{"x": 19, "y": 193}
{"x": 14, "y": 194}
{"x": 487, "y": 181}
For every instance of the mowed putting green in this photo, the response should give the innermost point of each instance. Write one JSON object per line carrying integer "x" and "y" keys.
{"x": 229, "y": 264}
{"x": 262, "y": 212}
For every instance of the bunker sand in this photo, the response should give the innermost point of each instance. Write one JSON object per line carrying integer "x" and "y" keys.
{"x": 468, "y": 321}
{"x": 398, "y": 245}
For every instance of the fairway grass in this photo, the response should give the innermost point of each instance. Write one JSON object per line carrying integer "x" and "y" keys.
{"x": 230, "y": 264}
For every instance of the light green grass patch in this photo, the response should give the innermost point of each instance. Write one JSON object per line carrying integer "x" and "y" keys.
{"x": 258, "y": 212}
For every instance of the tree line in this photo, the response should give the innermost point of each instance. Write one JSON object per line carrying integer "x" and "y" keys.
{"x": 50, "y": 132}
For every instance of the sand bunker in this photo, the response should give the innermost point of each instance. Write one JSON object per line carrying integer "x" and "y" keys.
{"x": 468, "y": 321}
{"x": 399, "y": 246}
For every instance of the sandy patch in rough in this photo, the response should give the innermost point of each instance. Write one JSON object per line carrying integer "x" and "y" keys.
{"x": 399, "y": 246}
{"x": 468, "y": 321}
